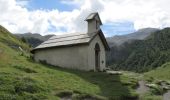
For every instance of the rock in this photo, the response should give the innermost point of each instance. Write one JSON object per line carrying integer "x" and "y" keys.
{"x": 155, "y": 89}
{"x": 168, "y": 82}
{"x": 114, "y": 72}
{"x": 159, "y": 82}
{"x": 20, "y": 48}
{"x": 152, "y": 85}
{"x": 165, "y": 87}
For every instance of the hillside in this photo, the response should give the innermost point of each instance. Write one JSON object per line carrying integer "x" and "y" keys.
{"x": 161, "y": 73}
{"x": 23, "y": 79}
{"x": 143, "y": 55}
{"x": 10, "y": 40}
{"x": 138, "y": 35}
{"x": 118, "y": 42}
{"x": 34, "y": 39}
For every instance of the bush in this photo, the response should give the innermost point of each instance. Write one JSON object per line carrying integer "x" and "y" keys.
{"x": 28, "y": 96}
{"x": 87, "y": 97}
{"x": 133, "y": 96}
{"x": 157, "y": 90}
{"x": 64, "y": 93}
{"x": 25, "y": 69}
{"x": 150, "y": 96}
{"x": 6, "y": 96}
{"x": 27, "y": 85}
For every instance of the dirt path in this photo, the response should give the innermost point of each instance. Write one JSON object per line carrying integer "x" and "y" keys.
{"x": 142, "y": 88}
{"x": 166, "y": 96}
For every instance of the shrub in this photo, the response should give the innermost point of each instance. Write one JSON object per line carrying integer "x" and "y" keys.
{"x": 6, "y": 96}
{"x": 149, "y": 96}
{"x": 64, "y": 93}
{"x": 28, "y": 96}
{"x": 27, "y": 85}
{"x": 157, "y": 90}
{"x": 87, "y": 97}
{"x": 25, "y": 69}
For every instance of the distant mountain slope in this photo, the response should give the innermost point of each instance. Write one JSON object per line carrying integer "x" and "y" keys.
{"x": 138, "y": 35}
{"x": 142, "y": 55}
{"x": 34, "y": 39}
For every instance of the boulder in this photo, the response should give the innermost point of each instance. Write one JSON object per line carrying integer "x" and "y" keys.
{"x": 114, "y": 72}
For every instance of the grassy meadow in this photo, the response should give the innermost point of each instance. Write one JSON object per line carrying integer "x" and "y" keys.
{"x": 23, "y": 79}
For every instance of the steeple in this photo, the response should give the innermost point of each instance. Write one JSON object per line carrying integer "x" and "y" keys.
{"x": 94, "y": 22}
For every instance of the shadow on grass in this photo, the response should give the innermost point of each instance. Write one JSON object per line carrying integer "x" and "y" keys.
{"x": 110, "y": 85}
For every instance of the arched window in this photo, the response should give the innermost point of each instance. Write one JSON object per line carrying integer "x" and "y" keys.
{"x": 97, "y": 47}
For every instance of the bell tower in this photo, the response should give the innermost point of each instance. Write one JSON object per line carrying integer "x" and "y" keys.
{"x": 94, "y": 22}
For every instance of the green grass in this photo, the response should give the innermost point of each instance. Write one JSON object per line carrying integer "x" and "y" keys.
{"x": 21, "y": 78}
{"x": 48, "y": 80}
{"x": 155, "y": 76}
{"x": 9, "y": 39}
{"x": 150, "y": 96}
{"x": 161, "y": 73}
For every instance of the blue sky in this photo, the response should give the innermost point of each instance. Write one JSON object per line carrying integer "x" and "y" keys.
{"x": 49, "y": 5}
{"x": 118, "y": 28}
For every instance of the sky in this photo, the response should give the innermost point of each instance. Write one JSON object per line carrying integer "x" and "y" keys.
{"x": 67, "y": 16}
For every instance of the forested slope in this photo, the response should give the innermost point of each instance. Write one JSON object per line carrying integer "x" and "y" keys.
{"x": 143, "y": 55}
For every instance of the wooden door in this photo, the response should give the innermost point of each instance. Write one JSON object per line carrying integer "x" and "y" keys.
{"x": 97, "y": 57}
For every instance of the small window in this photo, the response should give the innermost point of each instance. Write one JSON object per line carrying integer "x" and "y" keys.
{"x": 97, "y": 47}
{"x": 96, "y": 24}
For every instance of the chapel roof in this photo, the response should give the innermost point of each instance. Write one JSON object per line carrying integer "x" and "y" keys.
{"x": 71, "y": 39}
{"x": 67, "y": 39}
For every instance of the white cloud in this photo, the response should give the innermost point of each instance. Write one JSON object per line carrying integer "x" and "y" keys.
{"x": 143, "y": 13}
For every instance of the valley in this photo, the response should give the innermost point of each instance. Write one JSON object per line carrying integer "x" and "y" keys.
{"x": 22, "y": 78}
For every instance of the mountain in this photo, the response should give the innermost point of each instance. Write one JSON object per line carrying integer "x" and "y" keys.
{"x": 142, "y": 55}
{"x": 118, "y": 42}
{"x": 34, "y": 39}
{"x": 138, "y": 35}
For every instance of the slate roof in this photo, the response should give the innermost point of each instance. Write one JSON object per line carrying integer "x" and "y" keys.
{"x": 71, "y": 39}
{"x": 92, "y": 16}
{"x": 67, "y": 39}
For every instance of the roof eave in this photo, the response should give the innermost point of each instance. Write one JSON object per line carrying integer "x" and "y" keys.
{"x": 33, "y": 50}
{"x": 107, "y": 48}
